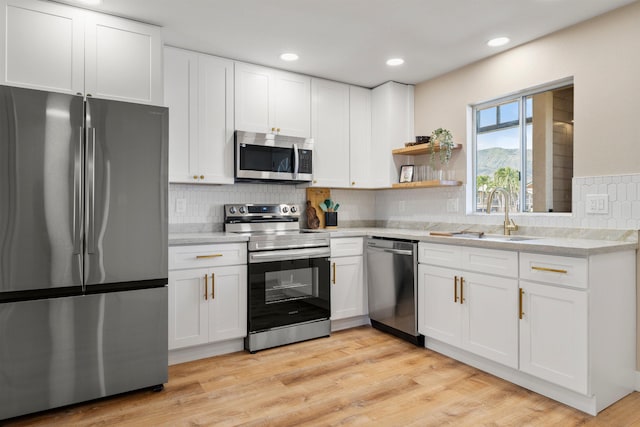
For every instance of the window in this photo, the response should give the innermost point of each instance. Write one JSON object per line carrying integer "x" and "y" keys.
{"x": 524, "y": 144}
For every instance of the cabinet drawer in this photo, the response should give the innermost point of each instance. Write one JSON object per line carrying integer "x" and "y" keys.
{"x": 559, "y": 270}
{"x": 440, "y": 255}
{"x": 346, "y": 246}
{"x": 492, "y": 261}
{"x": 196, "y": 256}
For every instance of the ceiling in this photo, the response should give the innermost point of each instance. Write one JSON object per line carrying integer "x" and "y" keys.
{"x": 350, "y": 40}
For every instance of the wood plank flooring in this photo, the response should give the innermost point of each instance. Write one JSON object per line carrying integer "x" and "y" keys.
{"x": 356, "y": 377}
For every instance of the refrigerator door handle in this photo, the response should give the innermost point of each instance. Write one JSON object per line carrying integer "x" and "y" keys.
{"x": 77, "y": 196}
{"x": 91, "y": 187}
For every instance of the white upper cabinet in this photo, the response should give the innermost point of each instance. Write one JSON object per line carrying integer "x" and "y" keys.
{"x": 361, "y": 173}
{"x": 42, "y": 46}
{"x": 60, "y": 48}
{"x": 199, "y": 94}
{"x": 123, "y": 59}
{"x": 330, "y": 132}
{"x": 391, "y": 126}
{"x": 268, "y": 99}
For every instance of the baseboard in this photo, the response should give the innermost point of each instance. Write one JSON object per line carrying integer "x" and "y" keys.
{"x": 351, "y": 322}
{"x": 183, "y": 355}
{"x": 637, "y": 380}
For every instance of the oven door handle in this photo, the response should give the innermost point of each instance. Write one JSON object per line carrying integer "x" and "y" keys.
{"x": 288, "y": 254}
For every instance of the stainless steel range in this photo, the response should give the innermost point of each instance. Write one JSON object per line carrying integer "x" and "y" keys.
{"x": 289, "y": 289}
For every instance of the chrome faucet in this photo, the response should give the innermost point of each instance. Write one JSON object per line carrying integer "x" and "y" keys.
{"x": 509, "y": 225}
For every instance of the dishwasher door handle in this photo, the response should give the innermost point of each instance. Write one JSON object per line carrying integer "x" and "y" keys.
{"x": 393, "y": 251}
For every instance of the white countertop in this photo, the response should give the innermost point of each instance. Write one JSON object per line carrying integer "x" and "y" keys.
{"x": 548, "y": 245}
{"x": 196, "y": 238}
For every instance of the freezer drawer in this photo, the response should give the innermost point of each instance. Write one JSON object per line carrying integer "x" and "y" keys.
{"x": 60, "y": 351}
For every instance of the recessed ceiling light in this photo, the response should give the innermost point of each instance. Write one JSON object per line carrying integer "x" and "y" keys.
{"x": 394, "y": 62}
{"x": 498, "y": 41}
{"x": 289, "y": 57}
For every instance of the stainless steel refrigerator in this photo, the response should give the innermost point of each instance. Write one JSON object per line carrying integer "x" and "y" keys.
{"x": 83, "y": 249}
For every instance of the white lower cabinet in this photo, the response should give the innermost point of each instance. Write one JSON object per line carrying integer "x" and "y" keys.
{"x": 553, "y": 335}
{"x": 559, "y": 325}
{"x": 473, "y": 311}
{"x": 207, "y": 305}
{"x": 347, "y": 287}
{"x": 348, "y": 295}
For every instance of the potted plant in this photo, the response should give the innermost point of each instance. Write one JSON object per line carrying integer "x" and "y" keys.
{"x": 441, "y": 138}
{"x": 330, "y": 210}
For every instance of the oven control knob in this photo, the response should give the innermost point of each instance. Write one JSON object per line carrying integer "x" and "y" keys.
{"x": 232, "y": 210}
{"x": 285, "y": 209}
{"x": 294, "y": 209}
{"x": 241, "y": 209}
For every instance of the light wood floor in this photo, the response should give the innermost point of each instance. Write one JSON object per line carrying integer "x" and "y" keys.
{"x": 356, "y": 377}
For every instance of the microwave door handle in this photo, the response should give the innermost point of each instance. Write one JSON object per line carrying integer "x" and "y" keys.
{"x": 296, "y": 159}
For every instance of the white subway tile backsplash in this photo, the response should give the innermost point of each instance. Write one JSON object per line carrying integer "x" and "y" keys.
{"x": 204, "y": 204}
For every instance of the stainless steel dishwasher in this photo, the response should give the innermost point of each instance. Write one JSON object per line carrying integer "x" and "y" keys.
{"x": 392, "y": 281}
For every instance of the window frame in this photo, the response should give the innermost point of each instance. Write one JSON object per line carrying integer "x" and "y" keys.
{"x": 519, "y": 96}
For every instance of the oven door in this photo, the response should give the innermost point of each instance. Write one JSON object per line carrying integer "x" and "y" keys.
{"x": 286, "y": 292}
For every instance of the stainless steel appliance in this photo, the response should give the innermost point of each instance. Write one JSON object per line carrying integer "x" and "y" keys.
{"x": 392, "y": 279}
{"x": 83, "y": 249}
{"x": 289, "y": 289}
{"x": 269, "y": 157}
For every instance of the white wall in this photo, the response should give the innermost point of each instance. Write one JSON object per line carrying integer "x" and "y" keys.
{"x": 603, "y": 56}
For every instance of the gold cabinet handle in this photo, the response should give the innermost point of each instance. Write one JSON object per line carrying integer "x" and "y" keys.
{"x": 520, "y": 312}
{"x": 201, "y": 176}
{"x": 278, "y": 130}
{"x": 213, "y": 286}
{"x": 461, "y": 290}
{"x": 455, "y": 288}
{"x": 551, "y": 270}
{"x": 208, "y": 256}
{"x": 206, "y": 286}
{"x": 334, "y": 273}
{"x": 353, "y": 183}
{"x": 195, "y": 176}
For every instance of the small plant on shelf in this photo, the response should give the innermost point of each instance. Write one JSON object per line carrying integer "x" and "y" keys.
{"x": 443, "y": 139}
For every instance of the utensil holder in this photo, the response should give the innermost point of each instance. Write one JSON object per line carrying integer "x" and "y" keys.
{"x": 331, "y": 219}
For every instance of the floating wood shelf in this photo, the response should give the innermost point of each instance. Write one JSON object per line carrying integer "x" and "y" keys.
{"x": 427, "y": 184}
{"x": 416, "y": 150}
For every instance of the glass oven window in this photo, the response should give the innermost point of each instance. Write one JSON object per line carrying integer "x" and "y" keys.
{"x": 290, "y": 285}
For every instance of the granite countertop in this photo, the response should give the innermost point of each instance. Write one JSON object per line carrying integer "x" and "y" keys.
{"x": 541, "y": 244}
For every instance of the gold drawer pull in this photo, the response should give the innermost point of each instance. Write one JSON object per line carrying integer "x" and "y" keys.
{"x": 213, "y": 286}
{"x": 552, "y": 270}
{"x": 208, "y": 256}
{"x": 206, "y": 286}
{"x": 461, "y": 290}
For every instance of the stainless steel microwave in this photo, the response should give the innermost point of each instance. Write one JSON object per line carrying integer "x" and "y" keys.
{"x": 268, "y": 157}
